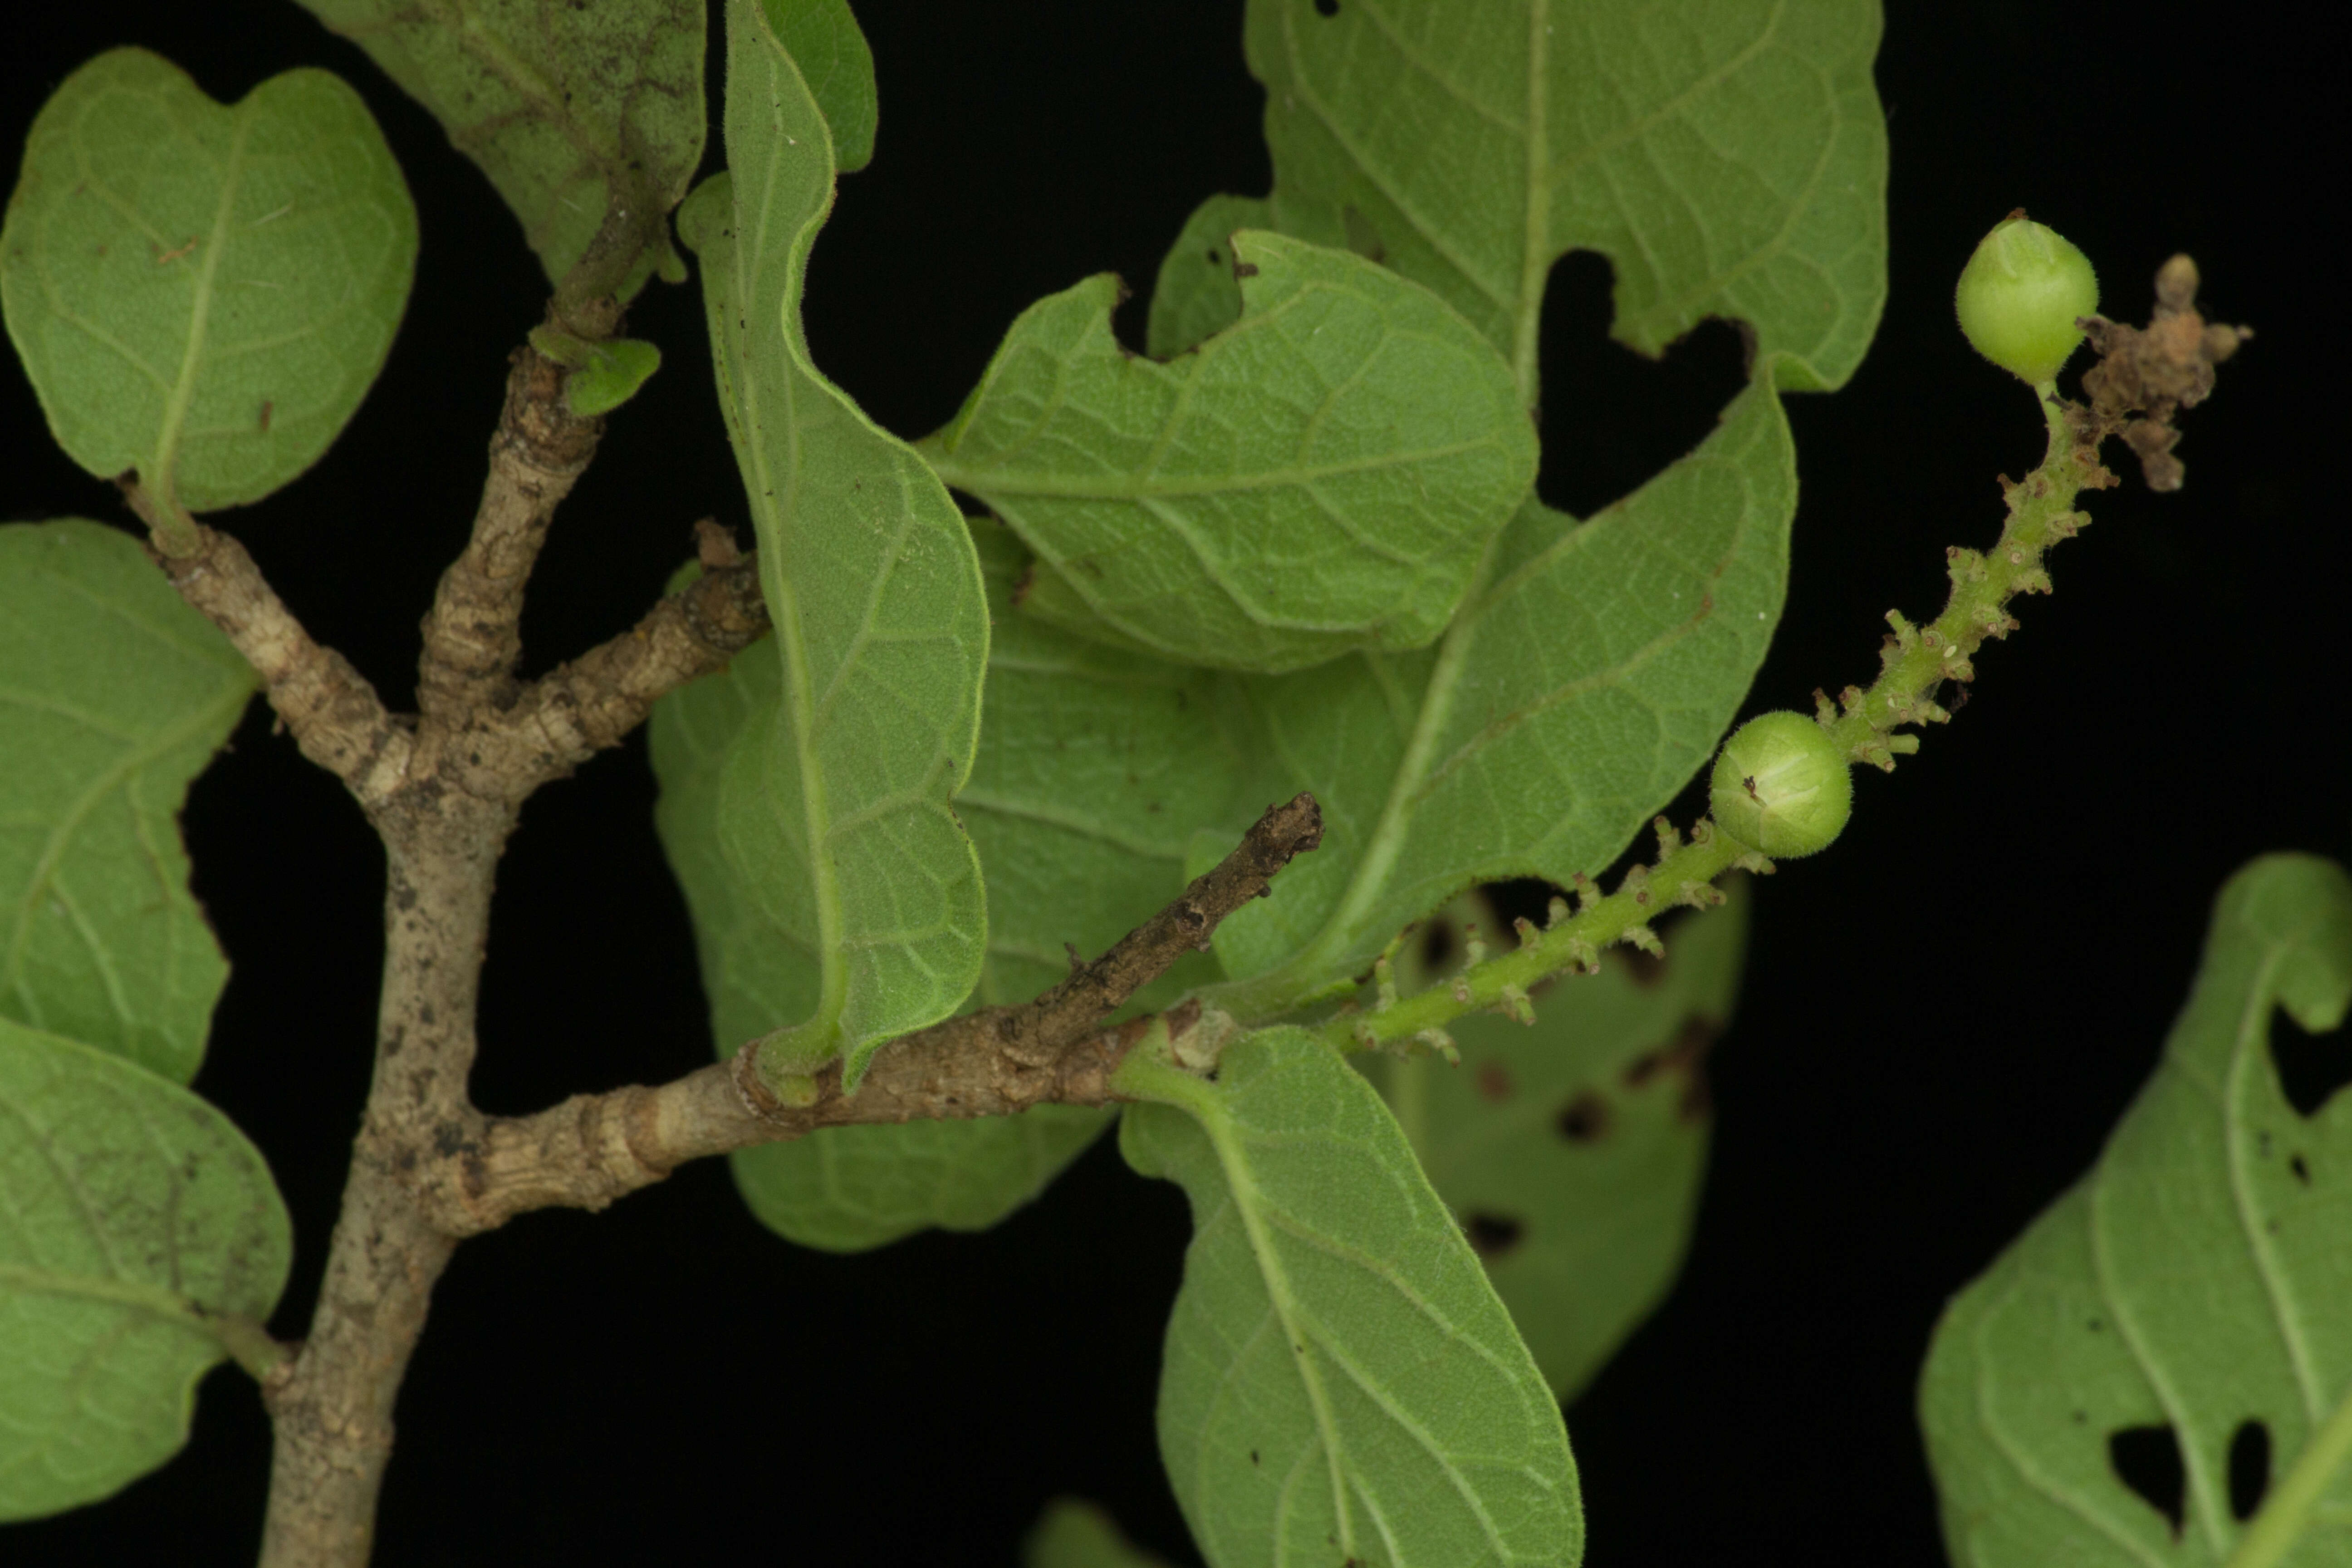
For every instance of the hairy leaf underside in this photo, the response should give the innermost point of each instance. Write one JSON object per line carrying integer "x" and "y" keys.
{"x": 113, "y": 696}
{"x": 1321, "y": 475}
{"x": 832, "y": 819}
{"x": 1339, "y": 1382}
{"x": 2160, "y": 1368}
{"x": 140, "y": 1238}
{"x": 587, "y": 119}
{"x": 202, "y": 293}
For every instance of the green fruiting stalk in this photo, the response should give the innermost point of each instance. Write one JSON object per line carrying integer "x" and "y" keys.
{"x": 1685, "y": 874}
{"x": 1915, "y": 663}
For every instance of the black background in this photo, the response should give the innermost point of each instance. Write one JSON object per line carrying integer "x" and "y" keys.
{"x": 1944, "y": 1014}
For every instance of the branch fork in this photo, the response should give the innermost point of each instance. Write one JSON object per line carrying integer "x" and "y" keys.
{"x": 443, "y": 788}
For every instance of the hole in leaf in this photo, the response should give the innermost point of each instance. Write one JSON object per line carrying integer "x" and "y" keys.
{"x": 1584, "y": 1119}
{"x": 1611, "y": 419}
{"x": 2147, "y": 1459}
{"x": 1437, "y": 945}
{"x": 2310, "y": 1067}
{"x": 1327, "y": 7}
{"x": 1492, "y": 1235}
{"x": 2250, "y": 1468}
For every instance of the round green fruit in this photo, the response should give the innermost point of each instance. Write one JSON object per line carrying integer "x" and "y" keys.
{"x": 2018, "y": 296}
{"x": 1780, "y": 786}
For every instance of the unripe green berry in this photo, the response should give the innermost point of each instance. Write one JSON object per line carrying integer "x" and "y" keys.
{"x": 2018, "y": 296}
{"x": 1780, "y": 786}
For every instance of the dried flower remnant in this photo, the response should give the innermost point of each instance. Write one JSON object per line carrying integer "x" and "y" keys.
{"x": 2155, "y": 372}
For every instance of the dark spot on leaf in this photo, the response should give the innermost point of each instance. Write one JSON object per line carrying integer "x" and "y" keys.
{"x": 1492, "y": 1235}
{"x": 2250, "y": 1468}
{"x": 2301, "y": 1171}
{"x": 450, "y": 1138}
{"x": 267, "y": 408}
{"x": 1437, "y": 945}
{"x": 2148, "y": 1460}
{"x": 1613, "y": 416}
{"x": 1644, "y": 968}
{"x": 1362, "y": 237}
{"x": 1584, "y": 1119}
{"x": 1686, "y": 1057}
{"x": 2311, "y": 1068}
{"x": 1216, "y": 256}
{"x": 1243, "y": 270}
{"x": 2096, "y": 1325}
{"x": 1027, "y": 580}
{"x": 1327, "y": 7}
{"x": 1493, "y": 1081}
{"x": 1253, "y": 1455}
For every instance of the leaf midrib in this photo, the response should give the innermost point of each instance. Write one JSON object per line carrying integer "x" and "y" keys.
{"x": 783, "y": 602}
{"x": 1215, "y": 1119}
{"x": 164, "y": 461}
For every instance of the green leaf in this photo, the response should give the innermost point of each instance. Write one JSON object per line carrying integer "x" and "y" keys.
{"x": 141, "y": 1241}
{"x": 2198, "y": 1279}
{"x": 834, "y": 812}
{"x": 841, "y": 1188}
{"x": 849, "y": 1189}
{"x": 1081, "y": 804}
{"x": 116, "y": 695}
{"x": 1582, "y": 686}
{"x": 824, "y": 40}
{"x": 1339, "y": 1382}
{"x": 1196, "y": 295}
{"x": 579, "y": 114}
{"x": 1572, "y": 1150}
{"x": 1095, "y": 768}
{"x": 1076, "y": 1534}
{"x": 203, "y": 293}
{"x": 613, "y": 371}
{"x": 1320, "y": 477}
{"x": 1729, "y": 161}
